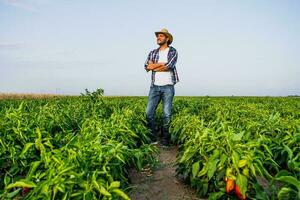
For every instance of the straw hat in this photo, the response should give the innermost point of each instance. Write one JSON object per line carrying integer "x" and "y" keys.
{"x": 166, "y": 33}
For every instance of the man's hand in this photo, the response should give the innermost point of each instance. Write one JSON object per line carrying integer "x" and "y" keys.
{"x": 162, "y": 68}
{"x": 153, "y": 66}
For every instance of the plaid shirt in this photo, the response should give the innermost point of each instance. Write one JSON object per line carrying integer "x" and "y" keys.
{"x": 172, "y": 59}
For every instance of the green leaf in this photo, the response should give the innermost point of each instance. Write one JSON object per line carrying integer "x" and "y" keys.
{"x": 242, "y": 182}
{"x": 100, "y": 188}
{"x": 223, "y": 159}
{"x": 212, "y": 166}
{"x": 283, "y": 173}
{"x": 33, "y": 167}
{"x": 203, "y": 171}
{"x": 235, "y": 159}
{"x": 121, "y": 194}
{"x": 262, "y": 169}
{"x": 216, "y": 154}
{"x": 285, "y": 193}
{"x": 289, "y": 151}
{"x": 14, "y": 193}
{"x": 114, "y": 184}
{"x": 242, "y": 163}
{"x": 267, "y": 149}
{"x": 22, "y": 184}
{"x": 252, "y": 168}
{"x": 290, "y": 180}
{"x": 6, "y": 179}
{"x": 25, "y": 149}
{"x": 195, "y": 169}
{"x": 45, "y": 189}
{"x": 104, "y": 191}
{"x": 65, "y": 170}
{"x": 119, "y": 158}
{"x": 216, "y": 195}
{"x": 238, "y": 136}
{"x": 260, "y": 193}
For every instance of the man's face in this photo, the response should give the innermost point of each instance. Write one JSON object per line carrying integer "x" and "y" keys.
{"x": 161, "y": 39}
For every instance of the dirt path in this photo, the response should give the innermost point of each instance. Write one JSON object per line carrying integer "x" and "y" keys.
{"x": 161, "y": 183}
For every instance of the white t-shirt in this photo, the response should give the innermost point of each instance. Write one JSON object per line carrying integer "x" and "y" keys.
{"x": 163, "y": 78}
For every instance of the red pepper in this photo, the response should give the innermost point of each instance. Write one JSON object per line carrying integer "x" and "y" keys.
{"x": 229, "y": 185}
{"x": 25, "y": 190}
{"x": 239, "y": 194}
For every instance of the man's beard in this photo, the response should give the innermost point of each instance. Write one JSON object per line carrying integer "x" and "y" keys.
{"x": 162, "y": 43}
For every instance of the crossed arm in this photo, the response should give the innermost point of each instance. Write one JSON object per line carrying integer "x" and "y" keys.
{"x": 161, "y": 67}
{"x": 158, "y": 67}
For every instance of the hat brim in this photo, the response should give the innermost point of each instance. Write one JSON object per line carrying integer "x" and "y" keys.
{"x": 166, "y": 34}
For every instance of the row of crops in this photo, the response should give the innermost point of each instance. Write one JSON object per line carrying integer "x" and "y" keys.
{"x": 71, "y": 148}
{"x": 239, "y": 147}
{"x": 82, "y": 147}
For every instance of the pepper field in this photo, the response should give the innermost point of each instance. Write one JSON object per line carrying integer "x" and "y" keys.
{"x": 82, "y": 147}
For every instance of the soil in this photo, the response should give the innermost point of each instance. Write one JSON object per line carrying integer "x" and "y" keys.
{"x": 160, "y": 183}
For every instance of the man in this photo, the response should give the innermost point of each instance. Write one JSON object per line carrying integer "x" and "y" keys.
{"x": 161, "y": 62}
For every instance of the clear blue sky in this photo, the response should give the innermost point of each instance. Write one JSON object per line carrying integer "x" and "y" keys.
{"x": 228, "y": 47}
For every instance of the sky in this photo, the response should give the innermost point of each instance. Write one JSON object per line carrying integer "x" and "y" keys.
{"x": 228, "y": 47}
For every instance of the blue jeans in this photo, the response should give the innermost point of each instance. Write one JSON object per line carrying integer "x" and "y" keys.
{"x": 157, "y": 94}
